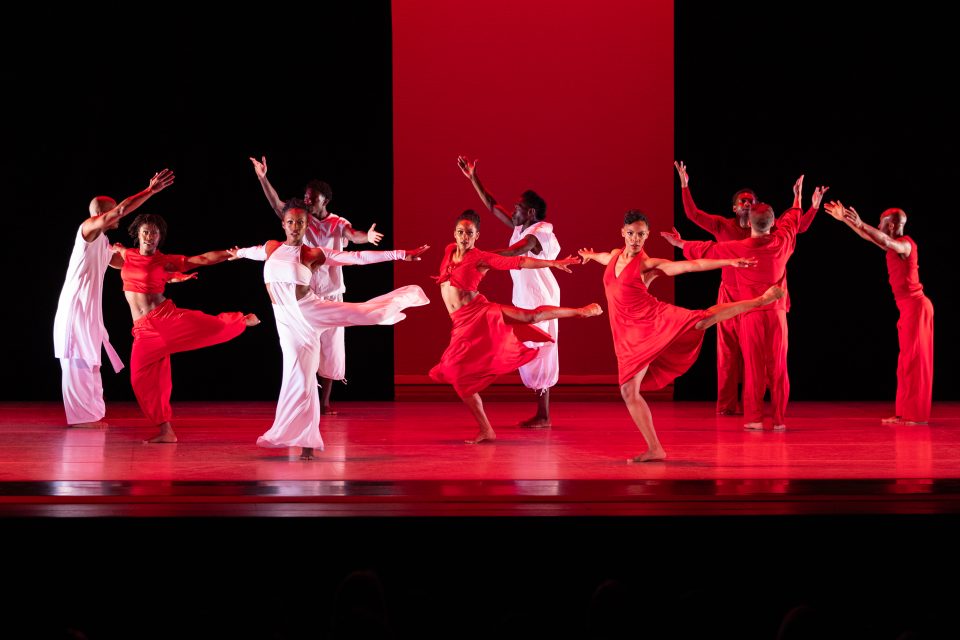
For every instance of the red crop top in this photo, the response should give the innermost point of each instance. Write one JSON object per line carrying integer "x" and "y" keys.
{"x": 149, "y": 274}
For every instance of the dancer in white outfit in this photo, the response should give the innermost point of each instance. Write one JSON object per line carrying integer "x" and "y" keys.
{"x": 325, "y": 230}
{"x": 302, "y": 317}
{"x": 532, "y": 288}
{"x": 78, "y": 330}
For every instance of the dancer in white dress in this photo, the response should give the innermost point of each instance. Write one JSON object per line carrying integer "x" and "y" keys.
{"x": 79, "y": 334}
{"x": 302, "y": 316}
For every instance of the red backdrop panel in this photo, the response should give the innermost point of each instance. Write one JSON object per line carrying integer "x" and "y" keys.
{"x": 571, "y": 99}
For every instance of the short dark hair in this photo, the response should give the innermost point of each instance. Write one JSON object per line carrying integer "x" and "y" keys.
{"x": 736, "y": 194}
{"x": 320, "y": 187}
{"x": 294, "y": 203}
{"x": 472, "y": 216}
{"x": 634, "y": 215}
{"x": 148, "y": 218}
{"x": 532, "y": 200}
{"x": 762, "y": 212}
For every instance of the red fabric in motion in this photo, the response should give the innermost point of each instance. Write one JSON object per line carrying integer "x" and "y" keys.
{"x": 164, "y": 331}
{"x": 483, "y": 345}
{"x": 646, "y": 331}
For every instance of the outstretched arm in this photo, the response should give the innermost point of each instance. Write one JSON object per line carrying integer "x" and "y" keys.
{"x": 676, "y": 267}
{"x": 469, "y": 169}
{"x": 348, "y": 258}
{"x": 589, "y": 254}
{"x": 370, "y": 236}
{"x": 563, "y": 264}
{"x": 869, "y": 233}
{"x": 528, "y": 244}
{"x": 208, "y": 258}
{"x": 257, "y": 252}
{"x": 94, "y": 226}
{"x": 260, "y": 167}
{"x": 706, "y": 221}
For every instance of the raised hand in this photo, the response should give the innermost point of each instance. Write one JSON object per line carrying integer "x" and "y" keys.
{"x": 468, "y": 168}
{"x": 850, "y": 215}
{"x": 682, "y": 172}
{"x": 586, "y": 255}
{"x": 673, "y": 237}
{"x": 798, "y": 190}
{"x": 161, "y": 180}
{"x": 818, "y": 194}
{"x": 260, "y": 166}
{"x": 413, "y": 255}
{"x": 834, "y": 209}
{"x": 373, "y": 236}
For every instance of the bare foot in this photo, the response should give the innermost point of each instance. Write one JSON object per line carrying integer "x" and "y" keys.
{"x": 590, "y": 310}
{"x": 251, "y": 320}
{"x": 307, "y": 453}
{"x": 328, "y": 411}
{"x": 753, "y": 426}
{"x": 779, "y": 427}
{"x": 162, "y": 438}
{"x": 536, "y": 422}
{"x": 99, "y": 424}
{"x": 651, "y": 455}
{"x": 483, "y": 436}
{"x": 772, "y": 294}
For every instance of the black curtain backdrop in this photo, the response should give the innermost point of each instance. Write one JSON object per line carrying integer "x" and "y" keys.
{"x": 99, "y": 99}
{"x": 105, "y": 97}
{"x": 854, "y": 99}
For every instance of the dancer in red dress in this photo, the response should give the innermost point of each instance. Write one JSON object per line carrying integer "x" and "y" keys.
{"x": 654, "y": 341}
{"x": 915, "y": 327}
{"x": 159, "y": 327}
{"x": 487, "y": 338}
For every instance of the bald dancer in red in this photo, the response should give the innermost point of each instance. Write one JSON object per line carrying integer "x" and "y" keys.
{"x": 723, "y": 229}
{"x": 915, "y": 327}
{"x": 763, "y": 331}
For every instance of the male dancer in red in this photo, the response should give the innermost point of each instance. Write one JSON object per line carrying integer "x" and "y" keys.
{"x": 915, "y": 328}
{"x": 723, "y": 229}
{"x": 763, "y": 331}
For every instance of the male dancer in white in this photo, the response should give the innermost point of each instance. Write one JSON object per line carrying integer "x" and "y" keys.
{"x": 532, "y": 288}
{"x": 302, "y": 318}
{"x": 325, "y": 230}
{"x": 78, "y": 329}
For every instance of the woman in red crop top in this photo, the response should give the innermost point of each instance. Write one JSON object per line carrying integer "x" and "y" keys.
{"x": 915, "y": 327}
{"x": 159, "y": 327}
{"x": 487, "y": 338}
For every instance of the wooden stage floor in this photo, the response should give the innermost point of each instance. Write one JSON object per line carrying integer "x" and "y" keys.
{"x": 408, "y": 459}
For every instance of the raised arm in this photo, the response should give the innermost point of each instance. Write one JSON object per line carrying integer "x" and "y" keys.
{"x": 469, "y": 169}
{"x": 706, "y": 221}
{"x": 869, "y": 233}
{"x": 586, "y": 255}
{"x": 256, "y": 252}
{"x": 94, "y": 226}
{"x": 260, "y": 167}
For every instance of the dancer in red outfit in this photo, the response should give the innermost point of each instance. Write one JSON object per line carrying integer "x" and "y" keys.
{"x": 487, "y": 338}
{"x": 729, "y": 354}
{"x": 159, "y": 327}
{"x": 763, "y": 336}
{"x": 915, "y": 328}
{"x": 655, "y": 342}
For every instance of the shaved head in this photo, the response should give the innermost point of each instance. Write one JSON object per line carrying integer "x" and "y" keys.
{"x": 101, "y": 204}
